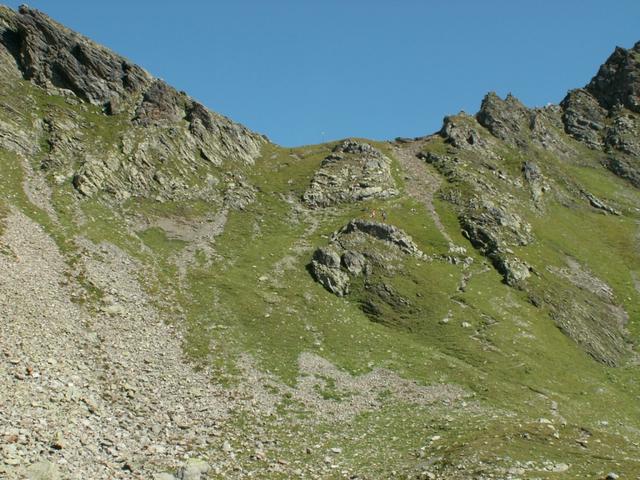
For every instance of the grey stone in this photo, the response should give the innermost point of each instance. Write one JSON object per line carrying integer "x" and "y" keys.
{"x": 43, "y": 470}
{"x": 507, "y": 119}
{"x": 193, "y": 469}
{"x": 53, "y": 57}
{"x": 461, "y": 131}
{"x": 327, "y": 256}
{"x": 163, "y": 476}
{"x": 354, "y": 262}
{"x": 381, "y": 231}
{"x": 618, "y": 80}
{"x": 333, "y": 279}
{"x": 584, "y": 118}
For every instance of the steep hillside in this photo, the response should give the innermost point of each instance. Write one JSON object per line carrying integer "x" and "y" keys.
{"x": 181, "y": 298}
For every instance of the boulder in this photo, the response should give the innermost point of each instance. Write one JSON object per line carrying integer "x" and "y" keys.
{"x": 354, "y": 262}
{"x": 381, "y": 231}
{"x": 461, "y": 132}
{"x": 43, "y": 470}
{"x": 332, "y": 278}
{"x": 355, "y": 248}
{"x": 328, "y": 257}
{"x": 193, "y": 470}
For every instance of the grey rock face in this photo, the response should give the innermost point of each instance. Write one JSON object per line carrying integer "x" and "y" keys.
{"x": 460, "y": 132}
{"x": 584, "y": 118}
{"x": 52, "y": 56}
{"x": 603, "y": 115}
{"x": 354, "y": 262}
{"x": 355, "y": 171}
{"x": 160, "y": 103}
{"x": 535, "y": 180}
{"x": 624, "y": 134}
{"x": 162, "y": 143}
{"x": 381, "y": 231}
{"x": 513, "y": 270}
{"x": 590, "y": 314}
{"x": 506, "y": 119}
{"x": 492, "y": 229}
{"x": 328, "y": 257}
{"x": 618, "y": 80}
{"x": 325, "y": 267}
{"x": 624, "y": 168}
{"x": 332, "y": 278}
{"x": 352, "y": 253}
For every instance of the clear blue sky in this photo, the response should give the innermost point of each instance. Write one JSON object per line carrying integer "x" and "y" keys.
{"x": 293, "y": 69}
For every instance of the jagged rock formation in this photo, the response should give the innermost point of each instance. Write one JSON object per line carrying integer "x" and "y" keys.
{"x": 355, "y": 171}
{"x": 485, "y": 184}
{"x": 507, "y": 119}
{"x": 352, "y": 253}
{"x": 171, "y": 155}
{"x": 494, "y": 229}
{"x": 584, "y": 118}
{"x": 53, "y": 57}
{"x": 604, "y": 115}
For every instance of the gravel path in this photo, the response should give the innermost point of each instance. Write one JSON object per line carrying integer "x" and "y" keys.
{"x": 420, "y": 183}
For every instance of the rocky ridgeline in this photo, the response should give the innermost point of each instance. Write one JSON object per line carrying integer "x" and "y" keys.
{"x": 354, "y": 171}
{"x": 163, "y": 143}
{"x": 487, "y": 193}
{"x": 356, "y": 249}
{"x": 488, "y": 219}
{"x": 605, "y": 115}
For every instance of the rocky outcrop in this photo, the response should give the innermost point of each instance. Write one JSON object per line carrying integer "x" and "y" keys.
{"x": 624, "y": 134}
{"x": 461, "y": 132}
{"x": 584, "y": 118}
{"x": 589, "y": 314}
{"x": 159, "y": 143}
{"x": 604, "y": 115}
{"x": 380, "y": 231}
{"x": 493, "y": 229}
{"x": 160, "y": 103}
{"x": 618, "y": 80}
{"x": 353, "y": 172}
{"x": 536, "y": 181}
{"x": 327, "y": 269}
{"x": 508, "y": 119}
{"x": 54, "y": 57}
{"x": 356, "y": 249}
{"x": 624, "y": 168}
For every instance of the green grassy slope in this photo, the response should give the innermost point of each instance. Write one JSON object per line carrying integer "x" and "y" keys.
{"x": 255, "y": 296}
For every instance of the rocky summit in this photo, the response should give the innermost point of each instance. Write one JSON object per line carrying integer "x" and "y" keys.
{"x": 180, "y": 298}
